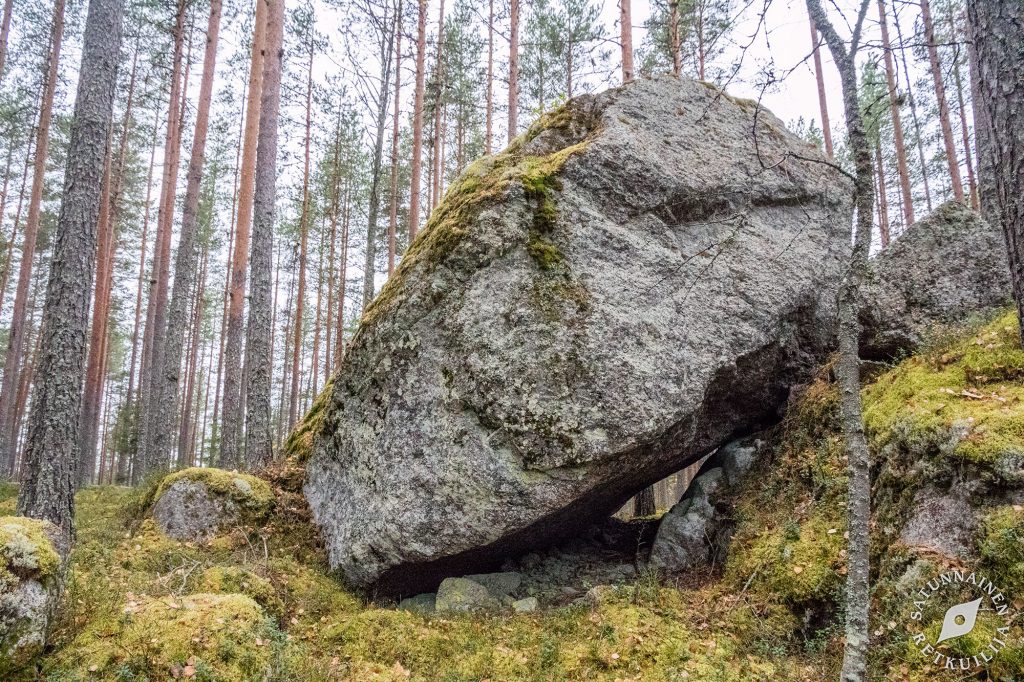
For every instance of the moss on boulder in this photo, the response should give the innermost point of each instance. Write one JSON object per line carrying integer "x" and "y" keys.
{"x": 197, "y": 503}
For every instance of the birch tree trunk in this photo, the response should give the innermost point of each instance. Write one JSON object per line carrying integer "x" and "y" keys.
{"x": 848, "y": 367}
{"x": 53, "y": 428}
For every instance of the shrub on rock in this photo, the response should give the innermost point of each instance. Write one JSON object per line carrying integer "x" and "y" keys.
{"x": 195, "y": 504}
{"x": 31, "y": 579}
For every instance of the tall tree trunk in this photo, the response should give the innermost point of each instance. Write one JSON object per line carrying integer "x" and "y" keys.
{"x": 16, "y": 338}
{"x": 897, "y": 124}
{"x": 883, "y": 199}
{"x": 513, "y": 70}
{"x": 415, "y": 182}
{"x": 149, "y": 459}
{"x": 232, "y": 416}
{"x": 848, "y": 367}
{"x": 377, "y": 161}
{"x": 489, "y": 125}
{"x": 826, "y": 125}
{"x": 300, "y": 299}
{"x": 97, "y": 340}
{"x": 47, "y": 490}
{"x": 673, "y": 38}
{"x": 166, "y": 388}
{"x": 339, "y": 343}
{"x": 393, "y": 217}
{"x": 626, "y": 33}
{"x": 9, "y": 259}
{"x": 940, "y": 96}
{"x": 997, "y": 33}
{"x": 5, "y": 32}
{"x": 644, "y": 502}
{"x": 185, "y": 430}
{"x": 439, "y": 70}
{"x": 258, "y": 338}
{"x": 972, "y": 183}
{"x": 318, "y": 319}
{"x": 919, "y": 141}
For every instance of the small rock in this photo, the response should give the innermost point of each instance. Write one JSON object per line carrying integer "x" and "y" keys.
{"x": 736, "y": 459}
{"x": 498, "y": 584}
{"x": 597, "y": 594}
{"x": 194, "y": 504}
{"x": 528, "y": 605}
{"x": 460, "y": 595}
{"x": 423, "y": 604}
{"x": 942, "y": 522}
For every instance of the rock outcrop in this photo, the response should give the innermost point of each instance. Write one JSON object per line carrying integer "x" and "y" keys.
{"x": 195, "y": 504}
{"x": 945, "y": 269}
{"x": 639, "y": 279}
{"x": 32, "y": 560}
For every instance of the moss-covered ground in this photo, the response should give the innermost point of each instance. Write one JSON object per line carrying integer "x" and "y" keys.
{"x": 259, "y": 602}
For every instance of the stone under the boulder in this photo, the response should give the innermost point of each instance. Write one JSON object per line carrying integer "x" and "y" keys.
{"x": 636, "y": 281}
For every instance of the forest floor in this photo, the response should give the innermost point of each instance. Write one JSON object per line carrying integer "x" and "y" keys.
{"x": 260, "y": 603}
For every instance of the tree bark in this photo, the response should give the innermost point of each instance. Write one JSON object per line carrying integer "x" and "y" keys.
{"x": 972, "y": 183}
{"x": 848, "y": 367}
{"x": 415, "y": 184}
{"x": 997, "y": 33}
{"x": 47, "y": 491}
{"x": 626, "y": 34}
{"x": 166, "y": 389}
{"x": 300, "y": 300}
{"x": 16, "y": 337}
{"x": 826, "y": 125}
{"x": 883, "y": 199}
{"x": 673, "y": 38}
{"x": 232, "y": 416}
{"x": 439, "y": 71}
{"x": 897, "y": 124}
{"x": 489, "y": 124}
{"x": 377, "y": 162}
{"x": 513, "y": 70}
{"x": 940, "y": 96}
{"x": 339, "y": 343}
{"x": 258, "y": 436}
{"x": 5, "y": 32}
{"x": 393, "y": 217}
{"x": 644, "y": 503}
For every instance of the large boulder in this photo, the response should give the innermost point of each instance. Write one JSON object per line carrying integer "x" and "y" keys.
{"x": 941, "y": 271}
{"x": 640, "y": 278}
{"x": 33, "y": 557}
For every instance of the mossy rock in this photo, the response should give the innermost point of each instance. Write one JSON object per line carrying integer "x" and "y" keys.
{"x": 202, "y": 637}
{"x": 1001, "y": 547}
{"x": 300, "y": 440}
{"x": 31, "y": 580}
{"x": 195, "y": 504}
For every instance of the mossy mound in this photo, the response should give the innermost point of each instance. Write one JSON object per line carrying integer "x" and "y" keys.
{"x": 242, "y": 580}
{"x": 252, "y": 494}
{"x": 200, "y": 636}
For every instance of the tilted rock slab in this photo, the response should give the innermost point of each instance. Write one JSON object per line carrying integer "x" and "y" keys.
{"x": 637, "y": 280}
{"x": 944, "y": 269}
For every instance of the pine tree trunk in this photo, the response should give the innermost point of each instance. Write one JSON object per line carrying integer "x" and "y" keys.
{"x": 897, "y": 124}
{"x": 997, "y": 33}
{"x": 826, "y": 125}
{"x": 300, "y": 300}
{"x": 259, "y": 333}
{"x": 917, "y": 121}
{"x": 848, "y": 366}
{"x": 9, "y": 259}
{"x": 644, "y": 503}
{"x": 16, "y": 337}
{"x": 47, "y": 490}
{"x": 972, "y": 183}
{"x": 415, "y": 183}
{"x": 883, "y": 199}
{"x": 626, "y": 33}
{"x": 315, "y": 380}
{"x": 438, "y": 168}
{"x": 5, "y": 32}
{"x": 489, "y": 125}
{"x": 513, "y": 70}
{"x": 393, "y": 216}
{"x": 339, "y": 342}
{"x": 373, "y": 211}
{"x": 232, "y": 415}
{"x": 673, "y": 38}
{"x": 940, "y": 96}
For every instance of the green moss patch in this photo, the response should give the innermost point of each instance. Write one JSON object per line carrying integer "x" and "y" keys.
{"x": 299, "y": 444}
{"x": 201, "y": 636}
{"x": 252, "y": 494}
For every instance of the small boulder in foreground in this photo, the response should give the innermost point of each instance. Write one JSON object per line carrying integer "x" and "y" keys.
{"x": 195, "y": 504}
